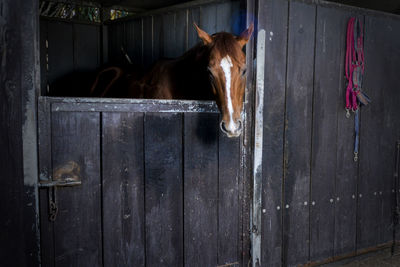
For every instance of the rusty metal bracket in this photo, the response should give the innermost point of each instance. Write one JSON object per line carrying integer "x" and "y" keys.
{"x": 62, "y": 183}
{"x": 63, "y": 176}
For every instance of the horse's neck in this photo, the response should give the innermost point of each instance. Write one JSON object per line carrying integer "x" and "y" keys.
{"x": 193, "y": 78}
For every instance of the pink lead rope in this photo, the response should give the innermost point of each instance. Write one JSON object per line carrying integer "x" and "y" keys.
{"x": 354, "y": 75}
{"x": 354, "y": 60}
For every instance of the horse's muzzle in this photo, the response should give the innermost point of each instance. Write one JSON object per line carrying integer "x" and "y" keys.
{"x": 232, "y": 131}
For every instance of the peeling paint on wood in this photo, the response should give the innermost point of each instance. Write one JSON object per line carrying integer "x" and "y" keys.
{"x": 258, "y": 146}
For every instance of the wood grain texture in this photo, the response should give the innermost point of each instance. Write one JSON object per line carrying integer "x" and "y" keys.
{"x": 168, "y": 34}
{"x": 45, "y": 173}
{"x": 43, "y": 54}
{"x": 193, "y": 17}
{"x": 228, "y": 199}
{"x": 123, "y": 189}
{"x": 134, "y": 41}
{"x": 11, "y": 160}
{"x": 378, "y": 131}
{"x": 163, "y": 189}
{"x": 328, "y": 59}
{"x": 298, "y": 132}
{"x": 201, "y": 189}
{"x": 86, "y": 47}
{"x": 60, "y": 41}
{"x": 117, "y": 37}
{"x": 148, "y": 37}
{"x": 77, "y": 229}
{"x": 274, "y": 21}
{"x": 346, "y": 169}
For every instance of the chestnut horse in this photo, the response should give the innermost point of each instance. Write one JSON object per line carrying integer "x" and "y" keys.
{"x": 215, "y": 69}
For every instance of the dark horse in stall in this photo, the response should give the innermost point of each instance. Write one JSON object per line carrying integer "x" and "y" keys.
{"x": 215, "y": 69}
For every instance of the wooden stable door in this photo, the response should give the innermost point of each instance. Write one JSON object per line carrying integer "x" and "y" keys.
{"x": 138, "y": 183}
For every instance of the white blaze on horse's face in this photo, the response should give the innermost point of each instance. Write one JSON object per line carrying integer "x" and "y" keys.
{"x": 231, "y": 127}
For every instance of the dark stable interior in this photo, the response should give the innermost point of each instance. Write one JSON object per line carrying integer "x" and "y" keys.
{"x": 74, "y": 51}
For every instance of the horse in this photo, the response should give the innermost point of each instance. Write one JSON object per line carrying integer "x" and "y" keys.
{"x": 214, "y": 69}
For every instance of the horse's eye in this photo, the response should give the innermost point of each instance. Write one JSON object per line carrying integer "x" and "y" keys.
{"x": 244, "y": 72}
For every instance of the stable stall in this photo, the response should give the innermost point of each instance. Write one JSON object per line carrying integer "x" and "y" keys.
{"x": 143, "y": 182}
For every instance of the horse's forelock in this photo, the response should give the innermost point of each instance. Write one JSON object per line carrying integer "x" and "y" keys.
{"x": 227, "y": 45}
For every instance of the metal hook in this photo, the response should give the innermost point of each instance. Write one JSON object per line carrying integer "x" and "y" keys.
{"x": 347, "y": 113}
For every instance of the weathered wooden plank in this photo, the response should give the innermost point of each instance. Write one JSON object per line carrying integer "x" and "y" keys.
{"x": 228, "y": 199}
{"x": 45, "y": 173}
{"x": 46, "y": 230}
{"x": 298, "y": 132}
{"x": 43, "y": 55}
{"x": 224, "y": 17}
{"x": 208, "y": 18}
{"x": 158, "y": 37}
{"x": 134, "y": 41}
{"x": 193, "y": 17}
{"x": 123, "y": 189}
{"x": 328, "y": 59}
{"x": 180, "y": 32}
{"x": 201, "y": 189}
{"x": 137, "y": 107}
{"x": 86, "y": 47}
{"x": 370, "y": 144}
{"x": 163, "y": 189}
{"x": 346, "y": 168}
{"x": 376, "y": 138}
{"x": 77, "y": 229}
{"x": 168, "y": 21}
{"x": 117, "y": 38}
{"x": 247, "y": 143}
{"x": 274, "y": 21}
{"x": 60, "y": 41}
{"x": 148, "y": 41}
{"x": 11, "y": 157}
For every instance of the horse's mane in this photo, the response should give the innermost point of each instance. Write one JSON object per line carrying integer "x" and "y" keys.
{"x": 223, "y": 41}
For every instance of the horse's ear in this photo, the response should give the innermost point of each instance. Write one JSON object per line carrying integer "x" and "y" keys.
{"x": 207, "y": 39}
{"x": 245, "y": 35}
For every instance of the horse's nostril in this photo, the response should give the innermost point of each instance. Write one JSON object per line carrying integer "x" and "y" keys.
{"x": 222, "y": 126}
{"x": 239, "y": 129}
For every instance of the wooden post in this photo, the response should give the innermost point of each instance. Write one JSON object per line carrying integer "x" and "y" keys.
{"x": 19, "y": 83}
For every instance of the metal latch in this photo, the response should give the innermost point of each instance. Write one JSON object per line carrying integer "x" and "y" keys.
{"x": 65, "y": 175}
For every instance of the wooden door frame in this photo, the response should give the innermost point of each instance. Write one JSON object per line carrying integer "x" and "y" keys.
{"x": 20, "y": 80}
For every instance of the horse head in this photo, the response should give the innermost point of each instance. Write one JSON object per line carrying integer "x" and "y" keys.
{"x": 227, "y": 71}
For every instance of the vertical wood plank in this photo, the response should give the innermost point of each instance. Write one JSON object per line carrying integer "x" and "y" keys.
{"x": 148, "y": 41}
{"x": 224, "y": 17}
{"x": 123, "y": 189}
{"x": 328, "y": 71}
{"x": 117, "y": 38}
{"x": 43, "y": 53}
{"x": 201, "y": 189}
{"x": 163, "y": 189}
{"x": 86, "y": 47}
{"x": 169, "y": 34}
{"x": 134, "y": 39}
{"x": 180, "y": 32}
{"x": 376, "y": 173}
{"x": 77, "y": 229}
{"x": 60, "y": 39}
{"x": 45, "y": 173}
{"x": 208, "y": 18}
{"x": 274, "y": 21}
{"x": 158, "y": 37}
{"x": 298, "y": 132}
{"x": 346, "y": 169}
{"x": 228, "y": 199}
{"x": 194, "y": 17}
